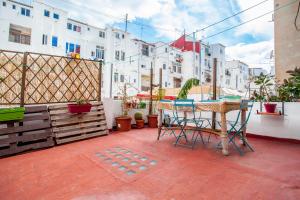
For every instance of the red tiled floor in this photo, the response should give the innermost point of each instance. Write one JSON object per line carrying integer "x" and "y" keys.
{"x": 73, "y": 171}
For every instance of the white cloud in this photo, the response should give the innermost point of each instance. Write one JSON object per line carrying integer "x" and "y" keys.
{"x": 263, "y": 25}
{"x": 255, "y": 55}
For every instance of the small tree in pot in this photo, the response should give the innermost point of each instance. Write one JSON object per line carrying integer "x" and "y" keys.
{"x": 138, "y": 116}
{"x": 265, "y": 83}
{"x": 124, "y": 122}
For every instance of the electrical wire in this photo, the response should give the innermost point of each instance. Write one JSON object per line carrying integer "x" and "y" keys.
{"x": 228, "y": 29}
{"x": 296, "y": 18}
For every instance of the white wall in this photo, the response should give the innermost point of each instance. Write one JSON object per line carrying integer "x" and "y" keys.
{"x": 287, "y": 126}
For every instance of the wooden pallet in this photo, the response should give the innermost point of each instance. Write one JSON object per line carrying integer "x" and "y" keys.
{"x": 33, "y": 132}
{"x": 68, "y": 127}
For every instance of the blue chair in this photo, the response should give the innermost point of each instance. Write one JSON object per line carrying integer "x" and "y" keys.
{"x": 236, "y": 127}
{"x": 194, "y": 124}
{"x": 168, "y": 122}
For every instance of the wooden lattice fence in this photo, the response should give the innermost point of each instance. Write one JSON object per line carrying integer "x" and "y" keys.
{"x": 30, "y": 78}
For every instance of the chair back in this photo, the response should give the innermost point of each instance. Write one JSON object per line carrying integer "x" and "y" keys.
{"x": 245, "y": 104}
{"x": 180, "y": 104}
{"x": 166, "y": 116}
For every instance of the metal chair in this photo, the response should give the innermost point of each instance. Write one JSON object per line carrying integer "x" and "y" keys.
{"x": 194, "y": 124}
{"x": 168, "y": 122}
{"x": 236, "y": 127}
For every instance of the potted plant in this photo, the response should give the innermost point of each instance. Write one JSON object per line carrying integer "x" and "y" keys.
{"x": 124, "y": 121}
{"x": 81, "y": 106}
{"x": 11, "y": 114}
{"x": 142, "y": 105}
{"x": 138, "y": 116}
{"x": 265, "y": 83}
{"x": 290, "y": 89}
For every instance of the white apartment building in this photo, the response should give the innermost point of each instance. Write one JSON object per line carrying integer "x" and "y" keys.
{"x": 41, "y": 28}
{"x": 236, "y": 75}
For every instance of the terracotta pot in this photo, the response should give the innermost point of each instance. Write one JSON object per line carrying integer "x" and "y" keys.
{"x": 140, "y": 123}
{"x": 79, "y": 108}
{"x": 152, "y": 121}
{"x": 123, "y": 123}
{"x": 270, "y": 107}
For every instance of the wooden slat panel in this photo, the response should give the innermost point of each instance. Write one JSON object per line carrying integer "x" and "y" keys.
{"x": 80, "y": 131}
{"x": 18, "y": 129}
{"x": 29, "y": 136}
{"x": 69, "y": 115}
{"x": 36, "y": 116}
{"x": 10, "y": 151}
{"x": 35, "y": 109}
{"x": 60, "y": 106}
{"x": 74, "y": 120}
{"x": 80, "y": 137}
{"x": 78, "y": 126}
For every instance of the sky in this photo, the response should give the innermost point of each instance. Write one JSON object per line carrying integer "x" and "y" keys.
{"x": 166, "y": 20}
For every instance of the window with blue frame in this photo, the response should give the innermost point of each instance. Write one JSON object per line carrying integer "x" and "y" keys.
{"x": 14, "y": 7}
{"x": 69, "y": 26}
{"x": 54, "y": 41}
{"x": 4, "y": 3}
{"x": 72, "y": 48}
{"x": 55, "y": 16}
{"x": 46, "y": 13}
{"x": 25, "y": 12}
{"x": 74, "y": 28}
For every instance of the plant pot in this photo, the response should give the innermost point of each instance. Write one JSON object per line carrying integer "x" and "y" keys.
{"x": 140, "y": 123}
{"x": 152, "y": 121}
{"x": 11, "y": 114}
{"x": 79, "y": 108}
{"x": 270, "y": 107}
{"x": 123, "y": 123}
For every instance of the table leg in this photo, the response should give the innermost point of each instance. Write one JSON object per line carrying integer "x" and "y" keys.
{"x": 243, "y": 120}
{"x": 159, "y": 123}
{"x": 224, "y": 138}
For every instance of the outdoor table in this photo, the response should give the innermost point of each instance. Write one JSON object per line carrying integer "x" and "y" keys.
{"x": 222, "y": 107}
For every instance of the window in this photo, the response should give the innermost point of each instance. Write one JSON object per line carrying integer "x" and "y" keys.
{"x": 166, "y": 84}
{"x": 14, "y": 7}
{"x": 122, "y": 78}
{"x": 71, "y": 47}
{"x": 19, "y": 34}
{"x": 221, "y": 51}
{"x": 77, "y": 50}
{"x": 117, "y": 35}
{"x": 25, "y": 12}
{"x": 4, "y": 3}
{"x": 69, "y": 26}
{"x": 179, "y": 70}
{"x": 123, "y": 36}
{"x": 46, "y": 13}
{"x": 116, "y": 77}
{"x": 101, "y": 34}
{"x": 78, "y": 29}
{"x": 54, "y": 41}
{"x": 174, "y": 68}
{"x": 122, "y": 55}
{"x": 164, "y": 66}
{"x": 88, "y": 28}
{"x": 145, "y": 50}
{"x": 166, "y": 50}
{"x": 143, "y": 66}
{"x": 45, "y": 39}
{"x": 117, "y": 55}
{"x": 55, "y": 16}
{"x": 100, "y": 52}
{"x": 74, "y": 28}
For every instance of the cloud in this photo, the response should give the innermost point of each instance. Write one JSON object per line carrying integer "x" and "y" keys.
{"x": 255, "y": 54}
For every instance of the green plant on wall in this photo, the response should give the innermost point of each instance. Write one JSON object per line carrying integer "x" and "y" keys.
{"x": 290, "y": 89}
{"x": 265, "y": 82}
{"x": 186, "y": 88}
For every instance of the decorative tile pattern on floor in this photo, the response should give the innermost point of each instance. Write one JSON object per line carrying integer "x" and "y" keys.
{"x": 126, "y": 164}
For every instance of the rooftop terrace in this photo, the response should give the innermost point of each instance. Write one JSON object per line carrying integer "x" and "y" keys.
{"x": 143, "y": 168}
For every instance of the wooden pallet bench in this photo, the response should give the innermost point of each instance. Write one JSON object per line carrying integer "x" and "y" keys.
{"x": 33, "y": 132}
{"x": 68, "y": 127}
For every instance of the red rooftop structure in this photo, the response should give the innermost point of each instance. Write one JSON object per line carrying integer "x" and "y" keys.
{"x": 185, "y": 45}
